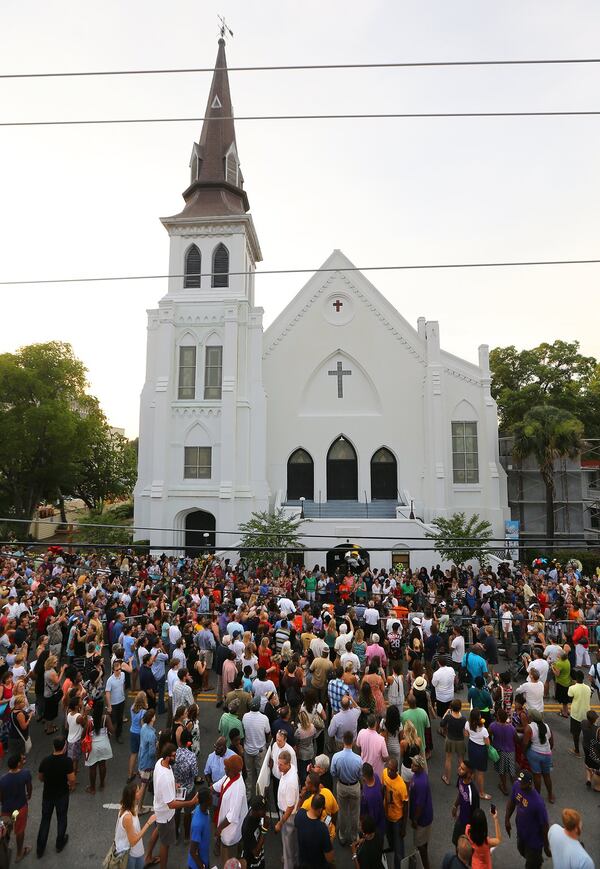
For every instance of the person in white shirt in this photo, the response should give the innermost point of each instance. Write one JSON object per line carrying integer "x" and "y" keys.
{"x": 350, "y": 658}
{"x": 533, "y": 691}
{"x": 542, "y": 666}
{"x": 288, "y": 794}
{"x": 233, "y": 807}
{"x": 165, "y": 805}
{"x": 371, "y": 618}
{"x": 257, "y": 732}
{"x": 443, "y": 682}
{"x": 286, "y": 606}
{"x": 174, "y": 634}
{"x": 457, "y": 644}
{"x": 341, "y": 640}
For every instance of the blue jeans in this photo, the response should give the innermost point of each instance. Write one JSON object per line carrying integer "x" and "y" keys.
{"x": 61, "y": 804}
{"x": 396, "y": 841}
{"x": 135, "y": 862}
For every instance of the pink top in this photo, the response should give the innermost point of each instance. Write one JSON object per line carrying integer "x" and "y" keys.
{"x": 373, "y": 749}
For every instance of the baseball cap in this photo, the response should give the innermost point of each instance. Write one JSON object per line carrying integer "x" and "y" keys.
{"x": 525, "y": 777}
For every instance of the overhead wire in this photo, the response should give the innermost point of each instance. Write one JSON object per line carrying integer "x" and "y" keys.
{"x": 259, "y": 272}
{"x": 417, "y": 64}
{"x": 336, "y": 117}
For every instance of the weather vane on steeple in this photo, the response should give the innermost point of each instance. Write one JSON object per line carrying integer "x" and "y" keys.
{"x": 224, "y": 28}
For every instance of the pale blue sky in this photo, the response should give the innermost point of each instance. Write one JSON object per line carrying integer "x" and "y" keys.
{"x": 86, "y": 201}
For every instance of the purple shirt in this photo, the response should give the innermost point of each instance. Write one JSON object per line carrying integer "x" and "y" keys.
{"x": 468, "y": 801}
{"x": 419, "y": 796}
{"x": 503, "y": 736}
{"x": 532, "y": 817}
{"x": 371, "y": 803}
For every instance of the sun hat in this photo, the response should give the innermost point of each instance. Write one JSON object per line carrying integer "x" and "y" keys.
{"x": 420, "y": 683}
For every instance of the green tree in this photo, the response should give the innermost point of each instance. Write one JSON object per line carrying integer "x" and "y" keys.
{"x": 459, "y": 539}
{"x": 554, "y": 374}
{"x": 99, "y": 527}
{"x": 548, "y": 433}
{"x": 273, "y": 533}
{"x": 40, "y": 387}
{"x": 106, "y": 467}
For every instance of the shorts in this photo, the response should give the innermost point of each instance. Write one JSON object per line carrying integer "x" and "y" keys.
{"x": 541, "y": 764}
{"x": 208, "y": 658}
{"x": 134, "y": 742}
{"x": 74, "y": 750}
{"x": 145, "y": 774}
{"x": 441, "y": 707}
{"x": 21, "y": 821}
{"x": 166, "y": 833}
{"x": 455, "y": 746}
{"x": 562, "y": 694}
{"x": 421, "y": 835}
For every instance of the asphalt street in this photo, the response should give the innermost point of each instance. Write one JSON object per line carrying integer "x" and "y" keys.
{"x": 92, "y": 818}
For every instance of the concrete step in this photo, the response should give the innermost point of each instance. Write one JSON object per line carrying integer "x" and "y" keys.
{"x": 348, "y": 509}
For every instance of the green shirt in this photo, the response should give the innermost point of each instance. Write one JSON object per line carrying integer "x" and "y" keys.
{"x": 564, "y": 673}
{"x": 408, "y": 588}
{"x": 228, "y": 723}
{"x": 311, "y": 583}
{"x": 420, "y": 719}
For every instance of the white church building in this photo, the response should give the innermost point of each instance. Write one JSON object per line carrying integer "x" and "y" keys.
{"x": 340, "y": 412}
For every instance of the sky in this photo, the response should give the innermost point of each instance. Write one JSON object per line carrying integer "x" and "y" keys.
{"x": 86, "y": 201}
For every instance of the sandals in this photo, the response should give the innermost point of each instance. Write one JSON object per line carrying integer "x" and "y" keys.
{"x": 26, "y": 851}
{"x": 445, "y": 780}
{"x": 154, "y": 861}
{"x": 51, "y": 731}
{"x": 485, "y": 796}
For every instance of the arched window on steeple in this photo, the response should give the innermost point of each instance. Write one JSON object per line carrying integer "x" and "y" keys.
{"x": 193, "y": 267}
{"x": 220, "y": 269}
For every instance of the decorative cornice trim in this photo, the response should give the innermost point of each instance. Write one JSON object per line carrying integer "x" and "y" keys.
{"x": 367, "y": 302}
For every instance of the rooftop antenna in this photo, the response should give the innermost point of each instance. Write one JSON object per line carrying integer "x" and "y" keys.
{"x": 224, "y": 29}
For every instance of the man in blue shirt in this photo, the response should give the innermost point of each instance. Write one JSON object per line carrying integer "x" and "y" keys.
{"x": 199, "y": 856}
{"x": 346, "y": 768}
{"x": 214, "y": 769}
{"x": 159, "y": 658}
{"x": 475, "y": 663}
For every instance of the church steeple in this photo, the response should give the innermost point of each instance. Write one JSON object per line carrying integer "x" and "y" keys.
{"x": 216, "y": 186}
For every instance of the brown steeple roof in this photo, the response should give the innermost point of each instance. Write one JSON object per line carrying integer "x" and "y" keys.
{"x": 217, "y": 183}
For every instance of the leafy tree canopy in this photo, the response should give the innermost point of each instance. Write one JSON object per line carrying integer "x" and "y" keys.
{"x": 556, "y": 374}
{"x": 459, "y": 539}
{"x": 273, "y": 533}
{"x": 54, "y": 438}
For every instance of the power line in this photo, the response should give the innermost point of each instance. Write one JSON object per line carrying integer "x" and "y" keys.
{"x": 341, "y": 117}
{"x": 422, "y": 64}
{"x": 407, "y": 267}
{"x": 536, "y": 538}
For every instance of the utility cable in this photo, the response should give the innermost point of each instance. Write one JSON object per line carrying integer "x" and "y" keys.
{"x": 338, "y": 117}
{"x": 407, "y": 267}
{"x": 420, "y": 64}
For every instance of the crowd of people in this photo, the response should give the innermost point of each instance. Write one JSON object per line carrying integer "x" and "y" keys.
{"x": 334, "y": 694}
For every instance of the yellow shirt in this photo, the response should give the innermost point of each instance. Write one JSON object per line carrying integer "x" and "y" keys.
{"x": 331, "y": 807}
{"x": 394, "y": 795}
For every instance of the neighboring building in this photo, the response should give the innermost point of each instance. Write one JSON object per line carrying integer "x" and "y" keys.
{"x": 576, "y": 500}
{"x": 341, "y": 411}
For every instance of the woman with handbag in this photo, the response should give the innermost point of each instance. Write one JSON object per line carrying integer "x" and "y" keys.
{"x": 127, "y": 850}
{"x": 19, "y": 741}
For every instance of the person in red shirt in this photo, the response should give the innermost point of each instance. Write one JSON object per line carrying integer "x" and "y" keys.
{"x": 44, "y": 614}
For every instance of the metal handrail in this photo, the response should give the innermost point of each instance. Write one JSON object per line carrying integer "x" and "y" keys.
{"x": 366, "y": 503}
{"x": 319, "y": 503}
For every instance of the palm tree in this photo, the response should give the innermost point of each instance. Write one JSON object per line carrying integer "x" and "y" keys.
{"x": 548, "y": 433}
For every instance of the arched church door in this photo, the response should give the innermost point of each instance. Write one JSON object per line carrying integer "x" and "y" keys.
{"x": 300, "y": 476}
{"x": 200, "y": 535}
{"x": 342, "y": 471}
{"x": 384, "y": 476}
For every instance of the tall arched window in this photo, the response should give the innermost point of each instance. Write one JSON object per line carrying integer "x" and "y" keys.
{"x": 300, "y": 476}
{"x": 220, "y": 269}
{"x": 193, "y": 267}
{"x": 384, "y": 475}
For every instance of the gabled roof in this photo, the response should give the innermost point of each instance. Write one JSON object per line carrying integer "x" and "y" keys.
{"x": 356, "y": 283}
{"x": 210, "y": 194}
